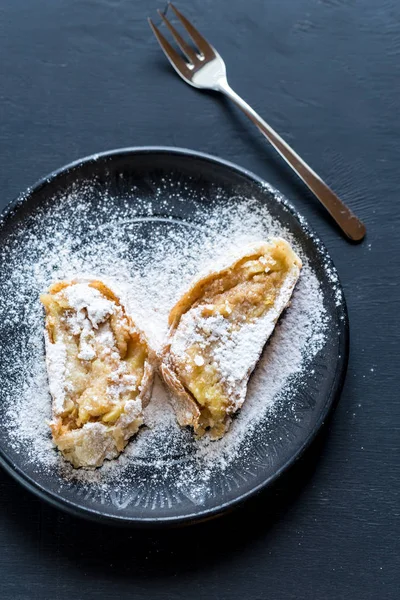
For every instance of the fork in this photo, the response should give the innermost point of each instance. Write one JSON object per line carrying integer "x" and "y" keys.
{"x": 205, "y": 69}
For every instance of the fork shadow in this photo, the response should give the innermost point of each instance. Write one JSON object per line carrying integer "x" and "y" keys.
{"x": 142, "y": 553}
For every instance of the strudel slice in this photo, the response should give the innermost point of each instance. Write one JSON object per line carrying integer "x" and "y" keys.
{"x": 218, "y": 330}
{"x": 100, "y": 371}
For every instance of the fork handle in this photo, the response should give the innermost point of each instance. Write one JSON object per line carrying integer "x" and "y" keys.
{"x": 347, "y": 221}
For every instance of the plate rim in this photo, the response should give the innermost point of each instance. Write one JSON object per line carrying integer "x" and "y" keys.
{"x": 332, "y": 398}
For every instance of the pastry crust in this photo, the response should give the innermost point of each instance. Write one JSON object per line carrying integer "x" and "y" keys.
{"x": 218, "y": 330}
{"x": 100, "y": 371}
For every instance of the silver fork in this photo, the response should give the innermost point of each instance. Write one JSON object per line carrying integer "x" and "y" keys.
{"x": 205, "y": 69}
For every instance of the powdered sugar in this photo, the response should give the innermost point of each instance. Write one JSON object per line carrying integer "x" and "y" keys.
{"x": 81, "y": 296}
{"x": 149, "y": 260}
{"x": 56, "y": 357}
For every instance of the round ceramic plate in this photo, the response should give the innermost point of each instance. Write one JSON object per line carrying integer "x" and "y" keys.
{"x": 119, "y": 207}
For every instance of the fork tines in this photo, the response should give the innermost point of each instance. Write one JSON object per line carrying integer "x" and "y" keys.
{"x": 205, "y": 50}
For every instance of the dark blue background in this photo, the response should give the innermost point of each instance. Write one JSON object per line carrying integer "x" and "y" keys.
{"x": 82, "y": 76}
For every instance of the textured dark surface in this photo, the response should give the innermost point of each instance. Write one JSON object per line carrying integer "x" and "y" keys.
{"x": 83, "y": 76}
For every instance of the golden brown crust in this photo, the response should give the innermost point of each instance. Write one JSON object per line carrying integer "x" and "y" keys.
{"x": 185, "y": 406}
{"x": 195, "y": 291}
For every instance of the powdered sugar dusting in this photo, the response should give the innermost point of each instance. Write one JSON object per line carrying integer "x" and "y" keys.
{"x": 81, "y": 296}
{"x": 149, "y": 260}
{"x": 56, "y": 357}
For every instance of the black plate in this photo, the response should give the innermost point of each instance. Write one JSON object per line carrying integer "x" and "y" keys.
{"x": 316, "y": 395}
